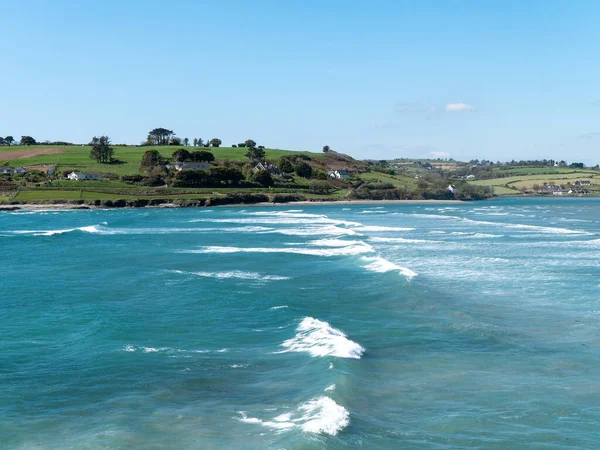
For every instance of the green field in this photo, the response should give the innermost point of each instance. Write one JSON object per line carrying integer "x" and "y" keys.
{"x": 396, "y": 180}
{"x": 78, "y": 157}
{"x": 528, "y": 181}
{"x": 536, "y": 170}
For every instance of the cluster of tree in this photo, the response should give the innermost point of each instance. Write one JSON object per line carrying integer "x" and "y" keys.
{"x": 182, "y": 155}
{"x": 296, "y": 164}
{"x": 8, "y": 140}
{"x": 25, "y": 140}
{"x": 160, "y": 136}
{"x": 101, "y": 150}
{"x": 213, "y": 176}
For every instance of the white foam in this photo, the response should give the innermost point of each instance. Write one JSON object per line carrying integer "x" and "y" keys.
{"x": 88, "y": 229}
{"x": 355, "y": 249}
{"x": 382, "y": 228}
{"x": 330, "y": 388}
{"x": 320, "y": 339}
{"x": 319, "y": 415}
{"x": 403, "y": 240}
{"x": 382, "y": 265}
{"x": 273, "y": 308}
{"x": 334, "y": 243}
{"x": 236, "y": 274}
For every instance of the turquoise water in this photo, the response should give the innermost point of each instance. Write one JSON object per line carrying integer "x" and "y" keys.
{"x": 404, "y": 326}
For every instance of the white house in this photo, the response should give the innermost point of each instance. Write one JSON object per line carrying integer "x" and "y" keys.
{"x": 451, "y": 188}
{"x": 339, "y": 174}
{"x": 78, "y": 176}
{"x": 189, "y": 166}
{"x": 20, "y": 170}
{"x": 272, "y": 169}
{"x": 6, "y": 170}
{"x": 470, "y": 177}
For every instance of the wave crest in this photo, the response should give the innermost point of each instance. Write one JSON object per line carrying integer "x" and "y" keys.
{"x": 319, "y": 415}
{"x": 320, "y": 339}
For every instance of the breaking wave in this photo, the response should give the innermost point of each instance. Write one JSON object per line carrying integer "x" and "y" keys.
{"x": 382, "y": 265}
{"x": 320, "y": 339}
{"x": 88, "y": 229}
{"x": 319, "y": 415}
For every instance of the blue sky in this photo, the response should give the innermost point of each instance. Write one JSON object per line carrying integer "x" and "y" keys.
{"x": 374, "y": 79}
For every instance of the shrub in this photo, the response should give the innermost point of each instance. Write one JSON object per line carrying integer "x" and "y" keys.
{"x": 263, "y": 177}
{"x": 303, "y": 169}
{"x": 320, "y": 187}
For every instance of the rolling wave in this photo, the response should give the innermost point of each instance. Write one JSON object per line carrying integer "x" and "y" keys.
{"x": 320, "y": 339}
{"x": 382, "y": 265}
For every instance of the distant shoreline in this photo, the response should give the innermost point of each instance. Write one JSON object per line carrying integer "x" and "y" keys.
{"x": 67, "y": 206}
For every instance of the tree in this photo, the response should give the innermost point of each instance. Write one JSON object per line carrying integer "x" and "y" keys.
{"x": 2, "y": 141}
{"x": 200, "y": 142}
{"x": 326, "y": 148}
{"x": 303, "y": 169}
{"x": 27, "y": 140}
{"x": 320, "y": 187}
{"x": 226, "y": 174}
{"x": 175, "y": 141}
{"x": 255, "y": 154}
{"x": 195, "y": 141}
{"x": 285, "y": 165}
{"x": 215, "y": 142}
{"x": 151, "y": 159}
{"x": 160, "y": 136}
{"x": 186, "y": 141}
{"x": 250, "y": 143}
{"x": 101, "y": 150}
{"x": 9, "y": 140}
{"x": 263, "y": 177}
{"x": 182, "y": 155}
{"x": 202, "y": 156}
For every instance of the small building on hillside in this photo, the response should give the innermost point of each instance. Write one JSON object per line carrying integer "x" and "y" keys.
{"x": 582, "y": 183}
{"x": 272, "y": 169}
{"x": 19, "y": 170}
{"x": 189, "y": 166}
{"x": 5, "y": 170}
{"x": 552, "y": 187}
{"x": 80, "y": 176}
{"x": 470, "y": 177}
{"x": 451, "y": 189}
{"x": 339, "y": 174}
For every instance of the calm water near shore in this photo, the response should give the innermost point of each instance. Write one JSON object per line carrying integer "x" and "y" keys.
{"x": 437, "y": 326}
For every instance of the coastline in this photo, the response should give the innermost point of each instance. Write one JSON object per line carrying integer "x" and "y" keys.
{"x": 67, "y": 206}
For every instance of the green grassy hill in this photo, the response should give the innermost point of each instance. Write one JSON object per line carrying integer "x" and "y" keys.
{"x": 78, "y": 157}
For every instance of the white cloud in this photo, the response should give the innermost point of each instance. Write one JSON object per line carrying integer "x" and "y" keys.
{"x": 453, "y": 107}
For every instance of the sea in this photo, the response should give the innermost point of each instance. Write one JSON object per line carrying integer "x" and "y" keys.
{"x": 405, "y": 326}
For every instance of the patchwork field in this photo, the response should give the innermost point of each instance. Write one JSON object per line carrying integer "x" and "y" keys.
{"x": 513, "y": 184}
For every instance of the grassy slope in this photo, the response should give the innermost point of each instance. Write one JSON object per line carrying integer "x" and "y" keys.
{"x": 538, "y": 178}
{"x": 396, "y": 180}
{"x": 77, "y": 157}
